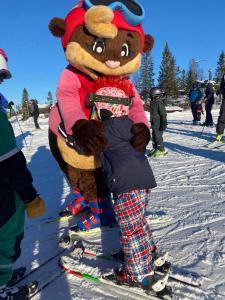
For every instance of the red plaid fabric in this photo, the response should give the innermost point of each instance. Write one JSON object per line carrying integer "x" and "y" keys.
{"x": 136, "y": 236}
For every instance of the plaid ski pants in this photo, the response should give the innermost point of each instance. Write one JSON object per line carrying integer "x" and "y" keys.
{"x": 136, "y": 236}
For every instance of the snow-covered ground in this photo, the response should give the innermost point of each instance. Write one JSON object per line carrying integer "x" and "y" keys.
{"x": 191, "y": 190}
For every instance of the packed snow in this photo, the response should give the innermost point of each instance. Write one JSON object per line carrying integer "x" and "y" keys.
{"x": 191, "y": 191}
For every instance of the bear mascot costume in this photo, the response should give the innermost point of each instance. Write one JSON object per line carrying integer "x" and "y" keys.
{"x": 100, "y": 38}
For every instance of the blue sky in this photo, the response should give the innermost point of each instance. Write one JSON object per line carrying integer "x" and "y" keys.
{"x": 192, "y": 28}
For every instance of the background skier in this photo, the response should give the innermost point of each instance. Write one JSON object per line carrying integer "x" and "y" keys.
{"x": 17, "y": 195}
{"x": 34, "y": 111}
{"x": 158, "y": 119}
{"x": 195, "y": 96}
{"x": 209, "y": 101}
{"x": 221, "y": 119}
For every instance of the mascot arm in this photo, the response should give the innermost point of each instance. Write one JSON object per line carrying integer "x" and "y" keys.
{"x": 69, "y": 99}
{"x": 140, "y": 129}
{"x": 137, "y": 113}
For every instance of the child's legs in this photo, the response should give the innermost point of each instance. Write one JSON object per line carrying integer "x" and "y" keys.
{"x": 136, "y": 236}
{"x": 11, "y": 234}
{"x": 158, "y": 140}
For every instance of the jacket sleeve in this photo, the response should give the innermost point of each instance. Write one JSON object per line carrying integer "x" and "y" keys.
{"x": 162, "y": 112}
{"x": 16, "y": 173}
{"x": 69, "y": 99}
{"x": 3, "y": 101}
{"x": 221, "y": 119}
{"x": 137, "y": 113}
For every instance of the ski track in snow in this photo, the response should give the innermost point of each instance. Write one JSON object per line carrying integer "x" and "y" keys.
{"x": 191, "y": 190}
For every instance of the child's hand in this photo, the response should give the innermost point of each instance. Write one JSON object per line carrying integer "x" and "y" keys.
{"x": 35, "y": 208}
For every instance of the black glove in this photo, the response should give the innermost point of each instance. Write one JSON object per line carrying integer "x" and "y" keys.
{"x": 163, "y": 126}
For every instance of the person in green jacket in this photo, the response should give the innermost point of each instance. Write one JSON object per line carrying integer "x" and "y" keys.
{"x": 17, "y": 196}
{"x": 158, "y": 119}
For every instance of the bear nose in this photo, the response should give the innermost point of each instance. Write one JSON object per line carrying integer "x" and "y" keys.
{"x": 112, "y": 64}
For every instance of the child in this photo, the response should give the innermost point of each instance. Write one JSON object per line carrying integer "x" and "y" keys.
{"x": 158, "y": 121}
{"x": 17, "y": 194}
{"x": 195, "y": 96}
{"x": 130, "y": 179}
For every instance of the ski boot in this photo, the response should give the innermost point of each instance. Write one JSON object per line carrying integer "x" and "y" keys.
{"x": 219, "y": 137}
{"x": 18, "y": 293}
{"x": 76, "y": 206}
{"x": 161, "y": 263}
{"x": 152, "y": 284}
{"x": 159, "y": 153}
{"x": 100, "y": 214}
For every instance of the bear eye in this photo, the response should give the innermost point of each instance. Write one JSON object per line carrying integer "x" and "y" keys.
{"x": 99, "y": 46}
{"x": 125, "y": 50}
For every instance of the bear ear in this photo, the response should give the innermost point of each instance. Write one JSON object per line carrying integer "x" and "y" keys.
{"x": 57, "y": 27}
{"x": 149, "y": 42}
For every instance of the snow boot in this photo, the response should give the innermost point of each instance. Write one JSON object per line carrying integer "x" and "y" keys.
{"x": 76, "y": 206}
{"x": 18, "y": 293}
{"x": 159, "y": 153}
{"x": 101, "y": 214}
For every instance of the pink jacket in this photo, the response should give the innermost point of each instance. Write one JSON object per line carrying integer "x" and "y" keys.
{"x": 72, "y": 91}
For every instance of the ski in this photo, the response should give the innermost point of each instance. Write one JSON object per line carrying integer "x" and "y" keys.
{"x": 175, "y": 274}
{"x": 215, "y": 144}
{"x": 153, "y": 218}
{"x": 49, "y": 281}
{"x": 48, "y": 221}
{"x": 44, "y": 263}
{"x": 74, "y": 267}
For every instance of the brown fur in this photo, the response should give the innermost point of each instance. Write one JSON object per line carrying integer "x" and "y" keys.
{"x": 57, "y": 27}
{"x": 76, "y": 160}
{"x": 81, "y": 54}
{"x": 90, "y": 183}
{"x": 89, "y": 136}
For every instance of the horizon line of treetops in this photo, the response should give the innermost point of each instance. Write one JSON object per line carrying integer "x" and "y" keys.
{"x": 171, "y": 78}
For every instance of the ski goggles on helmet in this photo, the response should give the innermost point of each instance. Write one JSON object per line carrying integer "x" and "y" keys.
{"x": 132, "y": 11}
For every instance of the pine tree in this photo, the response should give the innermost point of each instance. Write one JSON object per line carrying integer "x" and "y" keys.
{"x": 145, "y": 79}
{"x": 220, "y": 70}
{"x": 182, "y": 80}
{"x": 25, "y": 105}
{"x": 194, "y": 73}
{"x": 168, "y": 73}
{"x": 50, "y": 98}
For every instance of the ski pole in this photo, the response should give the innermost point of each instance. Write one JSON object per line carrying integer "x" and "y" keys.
{"x": 201, "y": 132}
{"x": 21, "y": 129}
